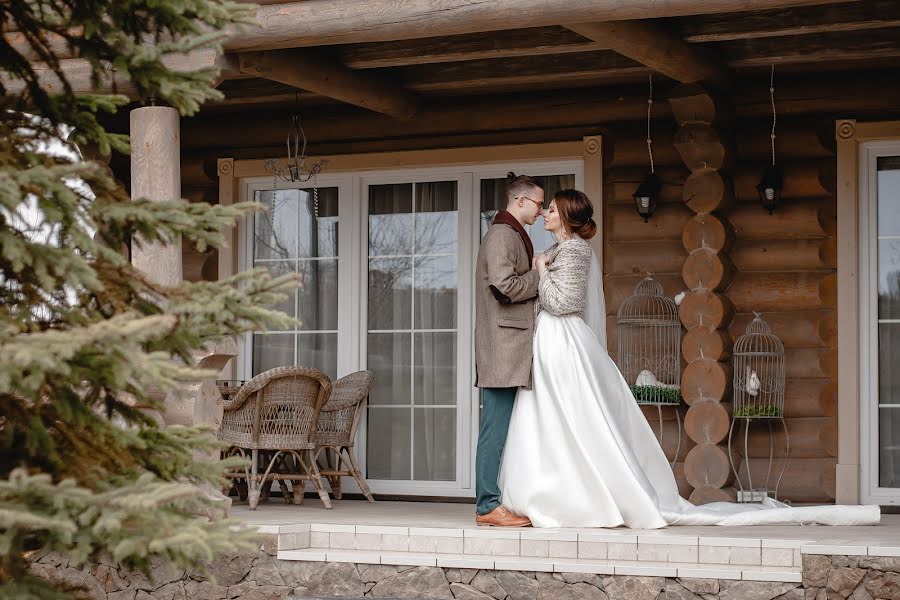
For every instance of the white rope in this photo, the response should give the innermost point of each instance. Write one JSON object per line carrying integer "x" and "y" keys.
{"x": 772, "y": 98}
{"x": 650, "y": 141}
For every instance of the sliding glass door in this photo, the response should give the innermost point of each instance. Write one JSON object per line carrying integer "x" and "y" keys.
{"x": 387, "y": 266}
{"x": 414, "y": 268}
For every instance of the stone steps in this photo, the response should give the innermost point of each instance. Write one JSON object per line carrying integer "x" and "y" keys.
{"x": 518, "y": 563}
{"x": 608, "y": 552}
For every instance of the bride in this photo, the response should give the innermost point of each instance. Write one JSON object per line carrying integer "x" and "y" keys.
{"x": 579, "y": 452}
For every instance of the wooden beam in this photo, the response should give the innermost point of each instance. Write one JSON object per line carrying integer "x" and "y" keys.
{"x": 305, "y": 70}
{"x": 327, "y": 22}
{"x": 855, "y": 16}
{"x": 553, "y": 71}
{"x": 534, "y": 72}
{"x": 823, "y": 49}
{"x": 469, "y": 115}
{"x": 663, "y": 51}
{"x": 532, "y": 41}
{"x": 78, "y": 73}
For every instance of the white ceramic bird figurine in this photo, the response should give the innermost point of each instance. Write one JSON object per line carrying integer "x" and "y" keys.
{"x": 679, "y": 297}
{"x": 752, "y": 386}
{"x": 645, "y": 377}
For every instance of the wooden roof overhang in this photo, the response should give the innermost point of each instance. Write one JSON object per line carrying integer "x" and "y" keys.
{"x": 457, "y": 67}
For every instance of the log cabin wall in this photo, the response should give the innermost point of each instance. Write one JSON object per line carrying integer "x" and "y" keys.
{"x": 785, "y": 264}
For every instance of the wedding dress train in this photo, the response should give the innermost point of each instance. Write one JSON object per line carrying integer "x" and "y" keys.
{"x": 580, "y": 452}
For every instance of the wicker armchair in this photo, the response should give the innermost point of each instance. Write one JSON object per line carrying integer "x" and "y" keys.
{"x": 337, "y": 430}
{"x": 277, "y": 413}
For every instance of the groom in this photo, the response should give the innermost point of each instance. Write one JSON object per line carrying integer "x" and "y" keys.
{"x": 505, "y": 288}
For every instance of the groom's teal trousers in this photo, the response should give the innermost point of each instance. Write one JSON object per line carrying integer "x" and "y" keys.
{"x": 495, "y": 414}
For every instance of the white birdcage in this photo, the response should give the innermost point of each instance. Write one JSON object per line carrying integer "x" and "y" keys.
{"x": 758, "y": 373}
{"x": 649, "y": 345}
{"x": 758, "y": 394}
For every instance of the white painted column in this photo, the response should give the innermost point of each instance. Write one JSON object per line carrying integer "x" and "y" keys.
{"x": 156, "y": 175}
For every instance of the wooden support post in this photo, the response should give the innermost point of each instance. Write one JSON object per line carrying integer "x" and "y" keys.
{"x": 706, "y": 311}
{"x": 156, "y": 175}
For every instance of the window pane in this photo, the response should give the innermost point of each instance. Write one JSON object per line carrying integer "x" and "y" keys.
{"x": 318, "y": 294}
{"x": 437, "y": 222}
{"x": 434, "y": 458}
{"x": 388, "y": 443}
{"x": 390, "y": 358}
{"x": 390, "y": 293}
{"x": 435, "y": 369}
{"x": 276, "y": 228}
{"x": 390, "y": 219}
{"x": 888, "y": 196}
{"x": 888, "y": 288}
{"x": 289, "y": 304}
{"x": 888, "y": 359}
{"x": 889, "y": 278}
{"x": 272, "y": 350}
{"x": 318, "y": 237}
{"x": 493, "y": 198}
{"x": 318, "y": 350}
{"x": 889, "y": 447}
{"x": 435, "y": 294}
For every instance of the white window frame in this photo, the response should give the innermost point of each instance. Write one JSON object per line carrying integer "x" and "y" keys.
{"x": 346, "y": 246}
{"x": 871, "y": 491}
{"x": 353, "y": 284}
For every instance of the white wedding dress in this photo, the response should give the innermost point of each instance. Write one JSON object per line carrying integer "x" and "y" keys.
{"x": 580, "y": 452}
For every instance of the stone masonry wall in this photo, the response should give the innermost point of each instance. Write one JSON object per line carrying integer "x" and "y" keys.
{"x": 263, "y": 577}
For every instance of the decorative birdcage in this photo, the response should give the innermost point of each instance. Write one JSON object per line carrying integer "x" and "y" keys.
{"x": 758, "y": 394}
{"x": 758, "y": 373}
{"x": 649, "y": 340}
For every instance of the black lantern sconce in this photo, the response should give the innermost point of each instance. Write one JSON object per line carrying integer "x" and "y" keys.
{"x": 769, "y": 187}
{"x": 647, "y": 193}
{"x": 646, "y": 196}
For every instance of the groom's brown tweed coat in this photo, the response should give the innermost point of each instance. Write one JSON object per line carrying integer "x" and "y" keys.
{"x": 505, "y": 288}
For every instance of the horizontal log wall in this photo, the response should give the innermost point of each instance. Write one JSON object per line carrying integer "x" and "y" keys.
{"x": 632, "y": 248}
{"x": 782, "y": 264}
{"x": 786, "y": 267}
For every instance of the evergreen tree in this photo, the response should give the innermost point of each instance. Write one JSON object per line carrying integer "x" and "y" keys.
{"x": 83, "y": 335}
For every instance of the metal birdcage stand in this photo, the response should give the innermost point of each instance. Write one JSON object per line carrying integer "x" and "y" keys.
{"x": 649, "y": 350}
{"x": 758, "y": 394}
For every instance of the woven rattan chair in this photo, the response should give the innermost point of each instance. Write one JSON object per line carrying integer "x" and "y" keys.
{"x": 337, "y": 430}
{"x": 276, "y": 413}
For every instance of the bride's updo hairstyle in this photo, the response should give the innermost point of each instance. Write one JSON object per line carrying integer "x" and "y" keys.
{"x": 576, "y": 212}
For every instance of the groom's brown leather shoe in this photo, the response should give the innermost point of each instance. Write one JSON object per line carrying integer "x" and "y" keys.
{"x": 501, "y": 517}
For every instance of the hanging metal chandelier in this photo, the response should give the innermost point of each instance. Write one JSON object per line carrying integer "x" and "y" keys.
{"x": 296, "y": 169}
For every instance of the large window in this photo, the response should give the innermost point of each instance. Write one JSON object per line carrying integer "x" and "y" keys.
{"x": 887, "y": 317}
{"x": 880, "y": 316}
{"x": 294, "y": 235}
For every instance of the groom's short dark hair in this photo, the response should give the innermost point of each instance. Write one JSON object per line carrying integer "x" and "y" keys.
{"x": 520, "y": 185}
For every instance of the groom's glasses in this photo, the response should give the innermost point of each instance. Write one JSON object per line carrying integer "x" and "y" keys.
{"x": 539, "y": 204}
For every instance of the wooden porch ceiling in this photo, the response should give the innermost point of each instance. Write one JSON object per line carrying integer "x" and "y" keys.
{"x": 711, "y": 48}
{"x": 517, "y": 50}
